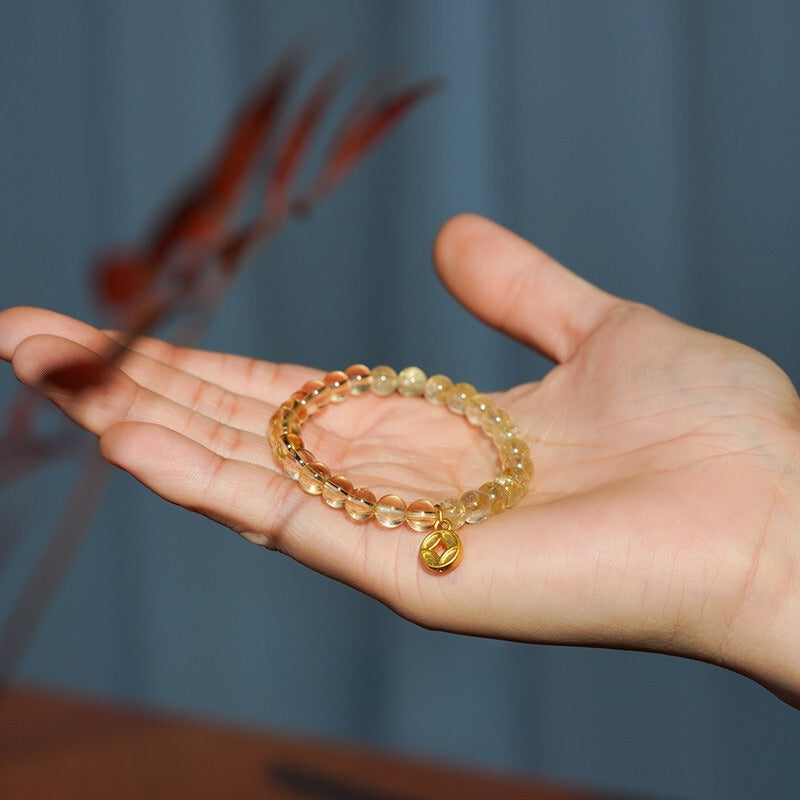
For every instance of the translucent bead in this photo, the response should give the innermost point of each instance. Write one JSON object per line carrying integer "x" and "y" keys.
{"x": 390, "y": 511}
{"x": 293, "y": 463}
{"x": 477, "y": 504}
{"x": 281, "y": 423}
{"x": 454, "y": 511}
{"x": 411, "y": 382}
{"x": 421, "y": 515}
{"x": 296, "y": 409}
{"x": 437, "y": 387}
{"x": 503, "y": 426}
{"x": 316, "y": 395}
{"x": 384, "y": 380}
{"x": 459, "y": 396}
{"x": 497, "y": 493}
{"x": 335, "y": 490}
{"x": 275, "y": 429}
{"x": 519, "y": 464}
{"x": 313, "y": 476}
{"x": 360, "y": 504}
{"x": 514, "y": 489}
{"x": 360, "y": 378}
{"x": 338, "y": 385}
{"x": 476, "y": 408}
{"x": 287, "y": 442}
{"x": 491, "y": 418}
{"x": 513, "y": 446}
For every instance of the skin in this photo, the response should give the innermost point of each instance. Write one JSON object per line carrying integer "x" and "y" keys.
{"x": 664, "y": 510}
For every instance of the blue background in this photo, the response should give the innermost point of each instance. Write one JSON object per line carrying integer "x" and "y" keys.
{"x": 654, "y": 147}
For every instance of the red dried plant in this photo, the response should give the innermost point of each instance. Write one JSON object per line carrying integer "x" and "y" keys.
{"x": 183, "y": 268}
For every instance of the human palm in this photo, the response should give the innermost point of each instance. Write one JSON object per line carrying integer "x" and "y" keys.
{"x": 661, "y": 512}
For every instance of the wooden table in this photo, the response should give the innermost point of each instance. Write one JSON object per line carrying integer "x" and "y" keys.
{"x": 56, "y": 747}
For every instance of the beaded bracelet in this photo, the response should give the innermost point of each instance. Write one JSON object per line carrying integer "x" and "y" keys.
{"x": 441, "y": 548}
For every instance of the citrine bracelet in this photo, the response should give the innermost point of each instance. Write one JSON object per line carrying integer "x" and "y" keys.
{"x": 441, "y": 547}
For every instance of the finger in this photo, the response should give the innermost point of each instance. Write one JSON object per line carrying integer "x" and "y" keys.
{"x": 244, "y": 376}
{"x": 266, "y": 508}
{"x": 216, "y": 384}
{"x": 516, "y": 288}
{"x": 17, "y": 324}
{"x": 81, "y": 384}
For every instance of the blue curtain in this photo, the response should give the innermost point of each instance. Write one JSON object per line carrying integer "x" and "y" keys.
{"x": 654, "y": 147}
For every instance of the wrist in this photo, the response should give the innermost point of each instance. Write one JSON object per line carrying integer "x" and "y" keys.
{"x": 763, "y": 635}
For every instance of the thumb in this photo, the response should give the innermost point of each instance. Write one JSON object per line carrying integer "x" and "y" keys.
{"x": 516, "y": 288}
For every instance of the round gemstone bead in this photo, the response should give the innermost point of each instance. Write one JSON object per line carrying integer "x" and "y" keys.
{"x": 316, "y": 395}
{"x": 500, "y": 425}
{"x": 287, "y": 442}
{"x": 384, "y": 380}
{"x": 477, "y": 504}
{"x": 489, "y": 420}
{"x": 338, "y": 385}
{"x": 497, "y": 493}
{"x": 411, "y": 382}
{"x": 519, "y": 464}
{"x": 313, "y": 476}
{"x": 514, "y": 446}
{"x": 476, "y": 408}
{"x": 515, "y": 490}
{"x": 453, "y": 510}
{"x": 437, "y": 387}
{"x": 421, "y": 515}
{"x": 335, "y": 490}
{"x": 292, "y": 464}
{"x": 459, "y": 396}
{"x": 360, "y": 378}
{"x": 297, "y": 410}
{"x": 390, "y": 511}
{"x": 360, "y": 504}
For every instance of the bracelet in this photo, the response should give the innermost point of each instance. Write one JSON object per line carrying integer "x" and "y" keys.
{"x": 441, "y": 548}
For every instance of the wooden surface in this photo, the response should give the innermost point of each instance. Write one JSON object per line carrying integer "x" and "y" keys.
{"x": 56, "y": 747}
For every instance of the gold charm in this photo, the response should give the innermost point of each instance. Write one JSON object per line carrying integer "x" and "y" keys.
{"x": 441, "y": 549}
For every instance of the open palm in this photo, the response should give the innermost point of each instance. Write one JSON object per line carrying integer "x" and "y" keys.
{"x": 663, "y": 510}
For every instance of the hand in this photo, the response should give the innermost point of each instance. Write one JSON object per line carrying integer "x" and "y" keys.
{"x": 663, "y": 513}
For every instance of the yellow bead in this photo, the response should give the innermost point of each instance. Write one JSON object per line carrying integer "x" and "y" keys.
{"x": 360, "y": 378}
{"x": 313, "y": 476}
{"x": 296, "y": 409}
{"x": 287, "y": 442}
{"x": 459, "y": 396}
{"x": 513, "y": 446}
{"x": 519, "y": 464}
{"x": 335, "y": 491}
{"x": 390, "y": 511}
{"x": 500, "y": 426}
{"x": 421, "y": 515}
{"x": 514, "y": 489}
{"x": 316, "y": 395}
{"x": 490, "y": 418}
{"x": 411, "y": 382}
{"x": 384, "y": 381}
{"x": 476, "y": 408}
{"x": 477, "y": 504}
{"x": 437, "y": 387}
{"x": 295, "y": 461}
{"x": 497, "y": 494}
{"x": 454, "y": 511}
{"x": 338, "y": 385}
{"x": 360, "y": 504}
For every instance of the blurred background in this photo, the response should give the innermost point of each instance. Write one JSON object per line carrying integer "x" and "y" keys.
{"x": 653, "y": 147}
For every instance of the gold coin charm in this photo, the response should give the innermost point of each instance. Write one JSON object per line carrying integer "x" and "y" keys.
{"x": 441, "y": 549}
